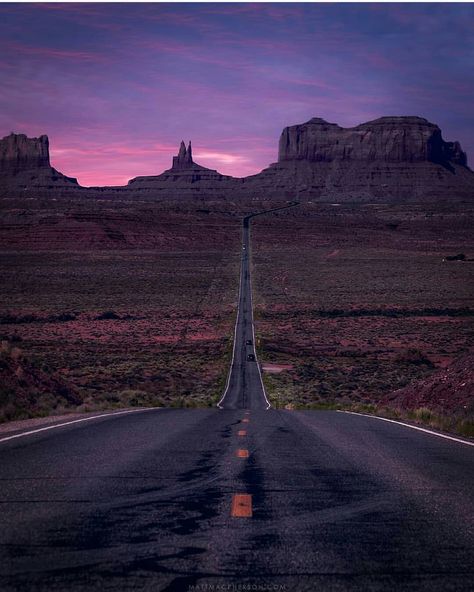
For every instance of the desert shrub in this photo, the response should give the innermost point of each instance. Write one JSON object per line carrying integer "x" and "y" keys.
{"x": 422, "y": 414}
{"x": 466, "y": 428}
{"x": 414, "y": 356}
{"x": 63, "y": 317}
{"x": 108, "y": 315}
{"x": 458, "y": 257}
{"x": 16, "y": 353}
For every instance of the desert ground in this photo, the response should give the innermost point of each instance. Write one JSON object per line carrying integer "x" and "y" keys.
{"x": 124, "y": 308}
{"x": 133, "y": 303}
{"x": 355, "y": 302}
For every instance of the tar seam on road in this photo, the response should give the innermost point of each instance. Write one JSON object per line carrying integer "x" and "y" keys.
{"x": 60, "y": 425}
{"x": 407, "y": 425}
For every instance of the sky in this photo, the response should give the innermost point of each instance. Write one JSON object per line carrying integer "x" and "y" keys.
{"x": 116, "y": 87}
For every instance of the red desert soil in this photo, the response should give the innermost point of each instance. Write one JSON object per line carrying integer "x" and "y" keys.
{"x": 449, "y": 389}
{"x": 28, "y": 390}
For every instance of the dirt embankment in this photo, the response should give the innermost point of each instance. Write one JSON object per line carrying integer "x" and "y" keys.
{"x": 448, "y": 391}
{"x": 27, "y": 390}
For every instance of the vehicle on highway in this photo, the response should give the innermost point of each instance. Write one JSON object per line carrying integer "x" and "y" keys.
{"x": 251, "y": 358}
{"x": 249, "y": 342}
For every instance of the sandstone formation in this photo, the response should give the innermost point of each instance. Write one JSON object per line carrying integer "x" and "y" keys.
{"x": 388, "y": 158}
{"x": 184, "y": 160}
{"x": 19, "y": 153}
{"x": 184, "y": 177}
{"x": 387, "y": 139}
{"x": 25, "y": 166}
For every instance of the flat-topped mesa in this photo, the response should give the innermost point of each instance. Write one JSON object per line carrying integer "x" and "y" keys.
{"x": 390, "y": 158}
{"x": 387, "y": 139}
{"x": 25, "y": 164}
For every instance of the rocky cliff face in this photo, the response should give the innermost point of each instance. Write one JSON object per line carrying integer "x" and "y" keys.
{"x": 25, "y": 165}
{"x": 19, "y": 153}
{"x": 390, "y": 158}
{"x": 183, "y": 178}
{"x": 184, "y": 160}
{"x": 399, "y": 158}
{"x": 387, "y": 140}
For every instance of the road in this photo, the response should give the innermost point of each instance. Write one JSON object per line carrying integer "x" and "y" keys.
{"x": 144, "y": 502}
{"x": 240, "y": 498}
{"x": 244, "y": 388}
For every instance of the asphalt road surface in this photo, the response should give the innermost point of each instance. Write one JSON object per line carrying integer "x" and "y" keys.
{"x": 244, "y": 389}
{"x": 235, "y": 499}
{"x": 145, "y": 501}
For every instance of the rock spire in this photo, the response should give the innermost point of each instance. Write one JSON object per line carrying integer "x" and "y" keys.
{"x": 184, "y": 160}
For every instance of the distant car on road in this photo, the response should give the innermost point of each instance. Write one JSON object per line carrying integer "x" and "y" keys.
{"x": 251, "y": 358}
{"x": 249, "y": 342}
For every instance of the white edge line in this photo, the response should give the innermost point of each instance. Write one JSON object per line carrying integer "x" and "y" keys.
{"x": 407, "y": 425}
{"x": 231, "y": 367}
{"x": 60, "y": 425}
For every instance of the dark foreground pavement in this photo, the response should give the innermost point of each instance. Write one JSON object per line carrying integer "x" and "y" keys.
{"x": 144, "y": 502}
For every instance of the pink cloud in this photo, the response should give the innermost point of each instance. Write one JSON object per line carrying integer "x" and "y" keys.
{"x": 40, "y": 52}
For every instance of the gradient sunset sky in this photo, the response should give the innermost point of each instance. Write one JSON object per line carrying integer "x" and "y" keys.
{"x": 116, "y": 87}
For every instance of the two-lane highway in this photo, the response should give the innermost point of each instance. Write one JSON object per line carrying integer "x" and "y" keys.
{"x": 244, "y": 388}
{"x": 171, "y": 499}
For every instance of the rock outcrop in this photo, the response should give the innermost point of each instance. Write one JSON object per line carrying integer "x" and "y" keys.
{"x": 19, "y": 153}
{"x": 387, "y": 139}
{"x": 184, "y": 160}
{"x": 185, "y": 177}
{"x": 25, "y": 165}
{"x": 388, "y": 158}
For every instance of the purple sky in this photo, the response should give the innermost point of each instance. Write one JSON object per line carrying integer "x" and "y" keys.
{"x": 116, "y": 87}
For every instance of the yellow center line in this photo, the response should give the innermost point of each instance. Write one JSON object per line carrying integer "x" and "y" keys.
{"x": 241, "y": 505}
{"x": 242, "y": 453}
